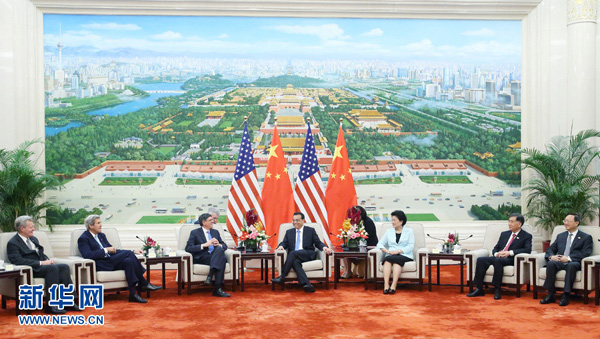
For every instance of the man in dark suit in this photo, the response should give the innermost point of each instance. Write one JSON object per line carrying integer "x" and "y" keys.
{"x": 94, "y": 245}
{"x": 207, "y": 248}
{"x": 300, "y": 242}
{"x": 511, "y": 243}
{"x": 566, "y": 253}
{"x": 25, "y": 249}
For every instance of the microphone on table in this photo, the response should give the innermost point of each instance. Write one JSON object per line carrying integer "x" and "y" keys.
{"x": 435, "y": 238}
{"x": 466, "y": 238}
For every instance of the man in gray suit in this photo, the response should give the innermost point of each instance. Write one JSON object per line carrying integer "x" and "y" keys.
{"x": 25, "y": 249}
{"x": 566, "y": 253}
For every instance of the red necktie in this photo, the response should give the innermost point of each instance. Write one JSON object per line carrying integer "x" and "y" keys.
{"x": 510, "y": 242}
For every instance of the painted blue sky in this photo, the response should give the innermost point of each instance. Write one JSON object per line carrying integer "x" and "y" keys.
{"x": 295, "y": 38}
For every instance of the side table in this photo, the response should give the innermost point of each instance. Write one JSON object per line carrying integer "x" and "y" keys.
{"x": 339, "y": 254}
{"x": 264, "y": 257}
{"x": 445, "y": 256}
{"x": 164, "y": 260}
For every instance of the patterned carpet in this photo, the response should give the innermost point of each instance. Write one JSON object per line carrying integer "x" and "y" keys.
{"x": 348, "y": 312}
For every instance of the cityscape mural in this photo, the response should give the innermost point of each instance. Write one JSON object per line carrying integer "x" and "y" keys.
{"x": 144, "y": 114}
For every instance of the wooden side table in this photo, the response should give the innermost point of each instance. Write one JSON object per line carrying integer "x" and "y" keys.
{"x": 339, "y": 254}
{"x": 264, "y": 257}
{"x": 16, "y": 275}
{"x": 164, "y": 260}
{"x": 445, "y": 256}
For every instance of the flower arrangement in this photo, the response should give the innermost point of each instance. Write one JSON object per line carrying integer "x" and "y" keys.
{"x": 148, "y": 244}
{"x": 452, "y": 239}
{"x": 253, "y": 231}
{"x": 352, "y": 228}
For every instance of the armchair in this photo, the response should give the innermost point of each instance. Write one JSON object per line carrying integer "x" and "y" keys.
{"x": 8, "y": 288}
{"x": 196, "y": 274}
{"x": 113, "y": 281}
{"x": 584, "y": 281}
{"x": 318, "y": 269}
{"x": 412, "y": 271}
{"x": 515, "y": 276}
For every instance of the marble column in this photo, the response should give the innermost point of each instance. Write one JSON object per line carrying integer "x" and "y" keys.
{"x": 581, "y": 74}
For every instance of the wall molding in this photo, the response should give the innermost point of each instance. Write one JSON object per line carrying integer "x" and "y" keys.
{"x": 430, "y": 9}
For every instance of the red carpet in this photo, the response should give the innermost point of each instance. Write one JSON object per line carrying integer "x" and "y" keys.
{"x": 348, "y": 312}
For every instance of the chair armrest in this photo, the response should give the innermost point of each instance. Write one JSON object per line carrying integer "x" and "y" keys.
{"x": 26, "y": 273}
{"x": 592, "y": 260}
{"x": 482, "y": 252}
{"x": 537, "y": 261}
{"x": 232, "y": 254}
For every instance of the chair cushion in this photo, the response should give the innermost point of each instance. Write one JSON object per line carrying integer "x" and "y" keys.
{"x": 108, "y": 276}
{"x": 560, "y": 275}
{"x": 410, "y": 266}
{"x": 313, "y": 265}
{"x": 509, "y": 271}
{"x": 200, "y": 269}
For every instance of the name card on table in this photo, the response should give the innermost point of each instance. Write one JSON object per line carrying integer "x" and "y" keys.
{"x": 151, "y": 255}
{"x": 458, "y": 251}
{"x": 9, "y": 267}
{"x": 435, "y": 250}
{"x": 172, "y": 254}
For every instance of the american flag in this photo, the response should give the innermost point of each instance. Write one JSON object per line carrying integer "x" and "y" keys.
{"x": 308, "y": 193}
{"x": 244, "y": 193}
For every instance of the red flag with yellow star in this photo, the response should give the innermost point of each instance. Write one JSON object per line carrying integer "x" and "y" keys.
{"x": 340, "y": 193}
{"x": 277, "y": 194}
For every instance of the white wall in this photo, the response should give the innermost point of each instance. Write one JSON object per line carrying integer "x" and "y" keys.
{"x": 544, "y": 98}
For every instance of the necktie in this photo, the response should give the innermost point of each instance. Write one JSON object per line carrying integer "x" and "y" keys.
{"x": 31, "y": 245}
{"x": 568, "y": 248}
{"x": 100, "y": 243}
{"x": 297, "y": 248}
{"x": 510, "y": 242}
{"x": 211, "y": 247}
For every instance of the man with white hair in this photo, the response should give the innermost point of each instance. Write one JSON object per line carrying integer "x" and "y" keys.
{"x": 25, "y": 249}
{"x": 94, "y": 245}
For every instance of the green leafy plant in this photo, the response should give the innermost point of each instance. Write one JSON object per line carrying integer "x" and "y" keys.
{"x": 561, "y": 183}
{"x": 22, "y": 186}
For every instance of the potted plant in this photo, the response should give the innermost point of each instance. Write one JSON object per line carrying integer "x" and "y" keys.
{"x": 22, "y": 186}
{"x": 561, "y": 183}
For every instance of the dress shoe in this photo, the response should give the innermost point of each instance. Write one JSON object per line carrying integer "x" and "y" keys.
{"x": 497, "y": 294}
{"x": 549, "y": 299}
{"x": 54, "y": 310}
{"x": 278, "y": 280}
{"x": 135, "y": 298}
{"x": 392, "y": 291}
{"x": 477, "y": 293}
{"x": 309, "y": 288}
{"x": 347, "y": 275}
{"x": 151, "y": 287}
{"x": 218, "y": 292}
{"x": 386, "y": 291}
{"x": 564, "y": 300}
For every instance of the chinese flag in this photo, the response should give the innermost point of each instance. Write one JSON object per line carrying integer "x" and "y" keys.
{"x": 340, "y": 194}
{"x": 277, "y": 196}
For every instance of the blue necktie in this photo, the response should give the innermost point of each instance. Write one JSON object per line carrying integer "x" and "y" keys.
{"x": 211, "y": 247}
{"x": 297, "y": 240}
{"x": 100, "y": 243}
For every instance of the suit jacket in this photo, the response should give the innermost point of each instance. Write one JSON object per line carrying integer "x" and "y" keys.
{"x": 197, "y": 238}
{"x": 90, "y": 249}
{"x": 371, "y": 231}
{"x": 521, "y": 244}
{"x": 581, "y": 247}
{"x": 310, "y": 239}
{"x": 406, "y": 243}
{"x": 19, "y": 253}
